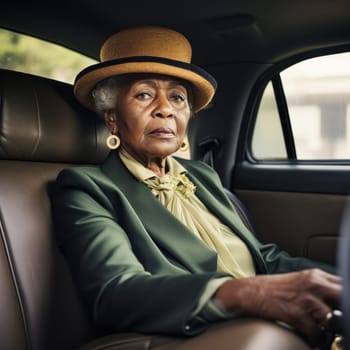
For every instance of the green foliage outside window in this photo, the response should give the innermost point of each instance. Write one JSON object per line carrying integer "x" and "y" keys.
{"x": 27, "y": 54}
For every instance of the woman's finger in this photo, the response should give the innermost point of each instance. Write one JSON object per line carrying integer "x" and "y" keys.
{"x": 326, "y": 286}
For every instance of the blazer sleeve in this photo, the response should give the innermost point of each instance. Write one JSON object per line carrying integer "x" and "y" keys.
{"x": 120, "y": 293}
{"x": 279, "y": 261}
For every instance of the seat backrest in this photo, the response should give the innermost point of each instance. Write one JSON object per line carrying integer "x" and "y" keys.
{"x": 42, "y": 130}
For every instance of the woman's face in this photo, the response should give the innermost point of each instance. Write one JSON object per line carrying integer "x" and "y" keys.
{"x": 151, "y": 117}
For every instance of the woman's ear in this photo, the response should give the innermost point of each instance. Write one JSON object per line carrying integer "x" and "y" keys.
{"x": 111, "y": 121}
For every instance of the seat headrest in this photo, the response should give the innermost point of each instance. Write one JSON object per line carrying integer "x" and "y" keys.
{"x": 40, "y": 120}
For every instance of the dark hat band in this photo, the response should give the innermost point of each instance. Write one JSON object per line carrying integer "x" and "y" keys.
{"x": 188, "y": 66}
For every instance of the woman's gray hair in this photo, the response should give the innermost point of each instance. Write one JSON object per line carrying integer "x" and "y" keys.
{"x": 105, "y": 93}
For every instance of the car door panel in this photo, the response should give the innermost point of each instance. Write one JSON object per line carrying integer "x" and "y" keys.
{"x": 298, "y": 208}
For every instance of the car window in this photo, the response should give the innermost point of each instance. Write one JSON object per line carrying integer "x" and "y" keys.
{"x": 312, "y": 122}
{"x": 268, "y": 145}
{"x": 30, "y": 55}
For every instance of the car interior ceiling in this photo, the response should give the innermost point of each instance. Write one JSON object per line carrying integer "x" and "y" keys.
{"x": 253, "y": 32}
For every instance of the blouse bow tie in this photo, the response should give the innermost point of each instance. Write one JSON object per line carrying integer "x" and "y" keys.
{"x": 171, "y": 184}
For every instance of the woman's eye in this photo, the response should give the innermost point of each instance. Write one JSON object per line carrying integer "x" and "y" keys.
{"x": 143, "y": 95}
{"x": 178, "y": 98}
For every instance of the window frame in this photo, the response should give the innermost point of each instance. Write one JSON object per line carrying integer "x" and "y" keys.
{"x": 273, "y": 76}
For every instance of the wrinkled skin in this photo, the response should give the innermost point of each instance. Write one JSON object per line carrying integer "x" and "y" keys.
{"x": 299, "y": 299}
{"x": 151, "y": 117}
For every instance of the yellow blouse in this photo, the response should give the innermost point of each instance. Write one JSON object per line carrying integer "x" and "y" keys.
{"x": 177, "y": 193}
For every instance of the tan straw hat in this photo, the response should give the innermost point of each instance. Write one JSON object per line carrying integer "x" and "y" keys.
{"x": 154, "y": 50}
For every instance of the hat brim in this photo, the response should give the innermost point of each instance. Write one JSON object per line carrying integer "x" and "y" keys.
{"x": 204, "y": 85}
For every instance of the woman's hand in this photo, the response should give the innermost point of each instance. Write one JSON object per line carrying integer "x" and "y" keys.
{"x": 300, "y": 299}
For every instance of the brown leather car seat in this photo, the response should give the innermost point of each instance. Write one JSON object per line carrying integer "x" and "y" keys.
{"x": 42, "y": 130}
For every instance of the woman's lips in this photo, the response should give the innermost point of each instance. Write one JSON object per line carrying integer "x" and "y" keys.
{"x": 162, "y": 132}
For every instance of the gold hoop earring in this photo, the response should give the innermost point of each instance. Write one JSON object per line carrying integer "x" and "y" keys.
{"x": 184, "y": 146}
{"x": 113, "y": 142}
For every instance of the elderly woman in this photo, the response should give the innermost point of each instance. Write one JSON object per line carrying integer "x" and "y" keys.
{"x": 154, "y": 244}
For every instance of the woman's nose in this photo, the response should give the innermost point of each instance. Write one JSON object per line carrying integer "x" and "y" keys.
{"x": 163, "y": 108}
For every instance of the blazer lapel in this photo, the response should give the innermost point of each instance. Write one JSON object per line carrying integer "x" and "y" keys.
{"x": 220, "y": 206}
{"x": 169, "y": 234}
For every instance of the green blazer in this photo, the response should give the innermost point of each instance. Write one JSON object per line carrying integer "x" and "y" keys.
{"x": 137, "y": 267}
